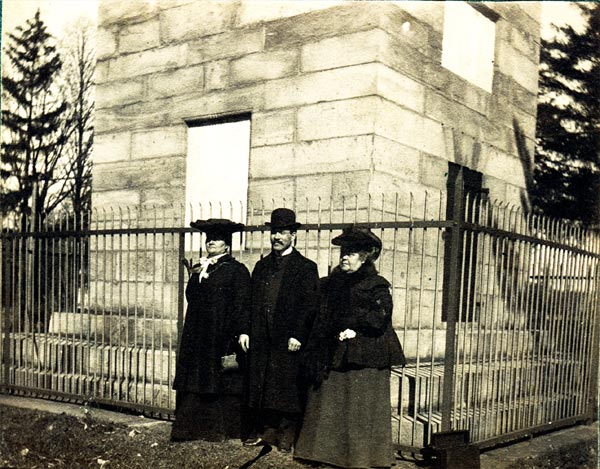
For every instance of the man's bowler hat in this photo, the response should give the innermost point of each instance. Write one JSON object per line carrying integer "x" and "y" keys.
{"x": 283, "y": 219}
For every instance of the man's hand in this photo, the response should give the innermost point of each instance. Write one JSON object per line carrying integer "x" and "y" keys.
{"x": 244, "y": 341}
{"x": 293, "y": 345}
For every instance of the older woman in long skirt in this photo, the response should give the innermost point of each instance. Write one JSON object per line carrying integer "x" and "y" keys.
{"x": 218, "y": 295}
{"x": 347, "y": 421}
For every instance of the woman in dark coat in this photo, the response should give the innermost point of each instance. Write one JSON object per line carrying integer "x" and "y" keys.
{"x": 218, "y": 296}
{"x": 347, "y": 421}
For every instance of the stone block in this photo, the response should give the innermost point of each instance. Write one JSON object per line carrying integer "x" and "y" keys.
{"x": 523, "y": 69}
{"x": 106, "y": 42}
{"x": 496, "y": 186}
{"x": 424, "y": 343}
{"x": 413, "y": 202}
{"x": 232, "y": 100}
{"x": 405, "y": 59}
{"x": 314, "y": 187}
{"x": 422, "y": 311}
{"x": 333, "y": 155}
{"x": 111, "y": 147}
{"x": 523, "y": 15}
{"x": 259, "y": 12}
{"x": 344, "y": 19}
{"x": 522, "y": 99}
{"x": 161, "y": 197}
{"x": 273, "y": 128}
{"x": 226, "y": 45}
{"x": 400, "y": 89}
{"x": 427, "y": 13}
{"x": 505, "y": 167}
{"x": 129, "y": 117}
{"x": 339, "y": 118}
{"x": 264, "y": 66}
{"x": 216, "y": 75}
{"x": 117, "y": 11}
{"x": 157, "y": 300}
{"x": 452, "y": 114}
{"x": 174, "y": 82}
{"x": 350, "y": 184}
{"x": 412, "y": 31}
{"x": 163, "y": 141}
{"x": 114, "y": 198}
{"x": 118, "y": 93}
{"x": 393, "y": 157}
{"x": 140, "y": 174}
{"x": 453, "y": 86}
{"x": 271, "y": 161}
{"x": 195, "y": 20}
{"x": 139, "y": 36}
{"x": 341, "y": 51}
{"x": 525, "y": 42}
{"x": 262, "y": 191}
{"x": 150, "y": 61}
{"x": 101, "y": 72}
{"x": 434, "y": 172}
{"x": 329, "y": 85}
{"x": 515, "y": 194}
{"x": 409, "y": 128}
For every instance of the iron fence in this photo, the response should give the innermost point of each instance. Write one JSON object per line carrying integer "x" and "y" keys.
{"x": 497, "y": 310}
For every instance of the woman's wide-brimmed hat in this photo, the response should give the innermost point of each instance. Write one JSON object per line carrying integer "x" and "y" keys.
{"x": 357, "y": 238}
{"x": 283, "y": 219}
{"x": 220, "y": 226}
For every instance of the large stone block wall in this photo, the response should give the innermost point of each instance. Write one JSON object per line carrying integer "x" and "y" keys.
{"x": 345, "y": 97}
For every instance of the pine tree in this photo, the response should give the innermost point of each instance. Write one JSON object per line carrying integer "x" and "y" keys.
{"x": 567, "y": 172}
{"x": 33, "y": 134}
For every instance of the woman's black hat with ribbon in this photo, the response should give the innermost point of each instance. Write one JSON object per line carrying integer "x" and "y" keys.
{"x": 361, "y": 239}
{"x": 221, "y": 227}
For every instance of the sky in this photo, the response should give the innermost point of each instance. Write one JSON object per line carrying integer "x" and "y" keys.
{"x": 58, "y": 13}
{"x": 55, "y": 13}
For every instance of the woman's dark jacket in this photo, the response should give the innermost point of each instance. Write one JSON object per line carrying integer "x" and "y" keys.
{"x": 360, "y": 301}
{"x": 216, "y": 308}
{"x": 272, "y": 379}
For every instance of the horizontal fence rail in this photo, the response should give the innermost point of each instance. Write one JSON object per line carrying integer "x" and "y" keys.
{"x": 92, "y": 305}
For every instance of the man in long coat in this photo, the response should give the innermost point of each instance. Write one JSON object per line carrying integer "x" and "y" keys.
{"x": 284, "y": 305}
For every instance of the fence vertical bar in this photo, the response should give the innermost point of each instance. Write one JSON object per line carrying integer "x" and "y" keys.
{"x": 453, "y": 302}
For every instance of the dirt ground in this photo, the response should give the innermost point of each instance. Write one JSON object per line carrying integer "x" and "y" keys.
{"x": 38, "y": 439}
{"x": 34, "y": 439}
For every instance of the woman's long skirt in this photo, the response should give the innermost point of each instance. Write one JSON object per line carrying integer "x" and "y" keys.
{"x": 210, "y": 417}
{"x": 347, "y": 421}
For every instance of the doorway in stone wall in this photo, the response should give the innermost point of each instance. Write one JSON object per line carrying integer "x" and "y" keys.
{"x": 217, "y": 168}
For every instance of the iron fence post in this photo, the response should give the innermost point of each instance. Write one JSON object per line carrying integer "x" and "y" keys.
{"x": 180, "y": 289}
{"x": 4, "y": 312}
{"x": 592, "y": 406}
{"x": 453, "y": 301}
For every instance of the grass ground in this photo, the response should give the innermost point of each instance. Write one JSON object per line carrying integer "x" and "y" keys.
{"x": 36, "y": 439}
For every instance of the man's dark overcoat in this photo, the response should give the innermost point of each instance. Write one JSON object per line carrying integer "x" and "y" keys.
{"x": 273, "y": 371}
{"x": 217, "y": 308}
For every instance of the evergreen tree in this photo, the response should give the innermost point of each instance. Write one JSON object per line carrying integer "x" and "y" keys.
{"x": 567, "y": 172}
{"x": 33, "y": 135}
